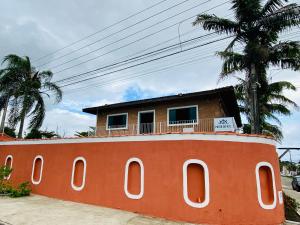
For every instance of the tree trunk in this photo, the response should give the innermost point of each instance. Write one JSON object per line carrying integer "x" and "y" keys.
{"x": 20, "y": 134}
{"x": 23, "y": 115}
{"x": 2, "y": 126}
{"x": 253, "y": 101}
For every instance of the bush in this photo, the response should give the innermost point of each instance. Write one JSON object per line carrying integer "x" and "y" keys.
{"x": 290, "y": 207}
{"x": 22, "y": 190}
{"x": 6, "y": 188}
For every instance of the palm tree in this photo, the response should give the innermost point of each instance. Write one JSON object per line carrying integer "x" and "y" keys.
{"x": 256, "y": 27}
{"x": 272, "y": 103}
{"x": 30, "y": 86}
{"x": 9, "y": 82}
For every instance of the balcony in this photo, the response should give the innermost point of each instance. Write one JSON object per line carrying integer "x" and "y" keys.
{"x": 184, "y": 126}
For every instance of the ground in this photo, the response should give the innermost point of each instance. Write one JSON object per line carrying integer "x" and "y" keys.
{"x": 287, "y": 187}
{"x": 46, "y": 211}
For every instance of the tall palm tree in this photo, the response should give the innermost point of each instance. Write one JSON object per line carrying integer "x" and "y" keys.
{"x": 29, "y": 88}
{"x": 256, "y": 27}
{"x": 272, "y": 103}
{"x": 9, "y": 83}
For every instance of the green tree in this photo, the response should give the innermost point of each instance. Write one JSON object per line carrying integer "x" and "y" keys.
{"x": 272, "y": 103}
{"x": 256, "y": 27}
{"x": 30, "y": 86}
{"x": 38, "y": 134}
{"x": 90, "y": 132}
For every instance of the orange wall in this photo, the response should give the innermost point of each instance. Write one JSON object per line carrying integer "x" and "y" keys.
{"x": 233, "y": 194}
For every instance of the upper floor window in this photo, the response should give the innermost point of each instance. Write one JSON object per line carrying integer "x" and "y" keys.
{"x": 117, "y": 121}
{"x": 183, "y": 115}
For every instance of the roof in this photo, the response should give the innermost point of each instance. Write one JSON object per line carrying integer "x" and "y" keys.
{"x": 226, "y": 94}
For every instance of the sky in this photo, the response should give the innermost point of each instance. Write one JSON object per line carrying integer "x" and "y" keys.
{"x": 38, "y": 28}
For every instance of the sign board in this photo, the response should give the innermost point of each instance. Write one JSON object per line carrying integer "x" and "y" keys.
{"x": 188, "y": 130}
{"x": 225, "y": 124}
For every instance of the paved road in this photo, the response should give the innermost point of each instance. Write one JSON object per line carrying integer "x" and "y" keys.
{"x": 287, "y": 187}
{"x": 39, "y": 210}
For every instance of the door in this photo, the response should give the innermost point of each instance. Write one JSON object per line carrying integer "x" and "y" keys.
{"x": 146, "y": 122}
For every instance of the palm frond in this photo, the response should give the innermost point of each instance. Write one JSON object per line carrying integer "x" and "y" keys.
{"x": 246, "y": 10}
{"x": 233, "y": 62}
{"x": 47, "y": 75}
{"x": 38, "y": 114}
{"x": 271, "y": 6}
{"x": 55, "y": 89}
{"x": 282, "y": 19}
{"x": 217, "y": 24}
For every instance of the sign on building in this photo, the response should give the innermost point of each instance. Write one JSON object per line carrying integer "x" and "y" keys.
{"x": 225, "y": 124}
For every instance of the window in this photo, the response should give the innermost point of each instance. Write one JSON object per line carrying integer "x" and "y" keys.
{"x": 195, "y": 183}
{"x": 265, "y": 183}
{"x": 183, "y": 115}
{"x": 134, "y": 178}
{"x": 37, "y": 170}
{"x": 9, "y": 163}
{"x": 78, "y": 174}
{"x": 117, "y": 121}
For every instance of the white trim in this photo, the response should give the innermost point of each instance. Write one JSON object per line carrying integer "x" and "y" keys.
{"x": 33, "y": 170}
{"x": 185, "y": 183}
{"x": 129, "y": 195}
{"x": 261, "y": 203}
{"x": 117, "y": 114}
{"x": 146, "y": 111}
{"x": 280, "y": 197}
{"x": 183, "y": 107}
{"x": 161, "y": 137}
{"x": 11, "y": 163}
{"x": 78, "y": 188}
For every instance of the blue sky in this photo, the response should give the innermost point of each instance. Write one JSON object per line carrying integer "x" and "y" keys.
{"x": 37, "y": 28}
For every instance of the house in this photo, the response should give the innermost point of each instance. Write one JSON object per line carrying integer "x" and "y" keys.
{"x": 192, "y": 112}
{"x": 178, "y": 172}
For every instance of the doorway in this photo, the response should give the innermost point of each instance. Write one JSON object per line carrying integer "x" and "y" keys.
{"x": 146, "y": 122}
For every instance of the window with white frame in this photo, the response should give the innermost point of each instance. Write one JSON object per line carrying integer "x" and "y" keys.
{"x": 266, "y": 186}
{"x": 78, "y": 174}
{"x": 117, "y": 121}
{"x": 183, "y": 115}
{"x": 203, "y": 202}
{"x": 141, "y": 178}
{"x": 37, "y": 170}
{"x": 9, "y": 163}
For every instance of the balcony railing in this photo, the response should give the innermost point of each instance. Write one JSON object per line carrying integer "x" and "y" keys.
{"x": 185, "y": 126}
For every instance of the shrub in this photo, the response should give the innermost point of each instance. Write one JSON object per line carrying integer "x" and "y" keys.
{"x": 6, "y": 188}
{"x": 290, "y": 207}
{"x": 22, "y": 190}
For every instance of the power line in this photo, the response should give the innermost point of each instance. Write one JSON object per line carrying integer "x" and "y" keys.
{"x": 142, "y": 63}
{"x": 126, "y": 77}
{"x": 116, "y": 32}
{"x": 128, "y": 58}
{"x": 100, "y": 31}
{"x": 133, "y": 59}
{"x": 133, "y": 42}
{"x": 192, "y": 56}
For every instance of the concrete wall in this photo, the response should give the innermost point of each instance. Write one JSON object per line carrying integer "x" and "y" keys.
{"x": 231, "y": 163}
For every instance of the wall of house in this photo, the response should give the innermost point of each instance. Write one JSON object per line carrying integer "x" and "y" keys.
{"x": 207, "y": 109}
{"x": 226, "y": 182}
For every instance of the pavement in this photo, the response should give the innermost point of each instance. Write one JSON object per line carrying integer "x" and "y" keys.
{"x": 40, "y": 210}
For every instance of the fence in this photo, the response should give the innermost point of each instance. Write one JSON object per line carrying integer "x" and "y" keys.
{"x": 184, "y": 126}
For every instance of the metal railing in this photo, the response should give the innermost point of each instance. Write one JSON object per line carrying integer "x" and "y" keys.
{"x": 184, "y": 126}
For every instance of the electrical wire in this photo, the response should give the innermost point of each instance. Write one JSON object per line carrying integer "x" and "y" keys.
{"x": 101, "y": 30}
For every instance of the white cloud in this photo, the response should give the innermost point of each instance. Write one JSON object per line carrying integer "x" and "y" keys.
{"x": 67, "y": 122}
{"x": 36, "y": 28}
